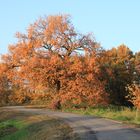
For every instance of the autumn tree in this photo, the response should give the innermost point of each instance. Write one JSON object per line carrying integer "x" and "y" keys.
{"x": 54, "y": 62}
{"x": 53, "y": 58}
{"x": 117, "y": 66}
{"x": 137, "y": 68}
{"x": 4, "y": 86}
{"x": 134, "y": 97}
{"x": 134, "y": 88}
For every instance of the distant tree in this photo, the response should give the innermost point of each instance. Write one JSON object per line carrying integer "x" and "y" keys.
{"x": 134, "y": 88}
{"x": 137, "y": 68}
{"x": 117, "y": 66}
{"x": 134, "y": 97}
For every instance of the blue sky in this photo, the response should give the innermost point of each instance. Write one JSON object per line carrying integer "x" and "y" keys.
{"x": 112, "y": 22}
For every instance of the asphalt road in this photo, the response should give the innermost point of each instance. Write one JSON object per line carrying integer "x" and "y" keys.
{"x": 89, "y": 127}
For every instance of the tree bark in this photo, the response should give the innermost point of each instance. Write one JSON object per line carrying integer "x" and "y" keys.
{"x": 58, "y": 85}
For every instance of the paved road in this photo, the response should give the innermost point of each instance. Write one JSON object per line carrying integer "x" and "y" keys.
{"x": 89, "y": 127}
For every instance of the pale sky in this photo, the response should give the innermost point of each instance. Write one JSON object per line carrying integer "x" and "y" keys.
{"x": 113, "y": 22}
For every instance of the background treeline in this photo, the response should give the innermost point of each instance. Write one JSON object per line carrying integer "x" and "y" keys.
{"x": 53, "y": 64}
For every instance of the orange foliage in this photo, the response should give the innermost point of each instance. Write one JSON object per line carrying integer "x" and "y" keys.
{"x": 135, "y": 93}
{"x": 53, "y": 58}
{"x": 53, "y": 62}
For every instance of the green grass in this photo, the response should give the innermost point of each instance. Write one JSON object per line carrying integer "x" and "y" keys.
{"x": 123, "y": 114}
{"x": 16, "y": 125}
{"x": 13, "y": 130}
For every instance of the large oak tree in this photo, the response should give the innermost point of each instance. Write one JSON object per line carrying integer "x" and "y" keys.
{"x": 53, "y": 58}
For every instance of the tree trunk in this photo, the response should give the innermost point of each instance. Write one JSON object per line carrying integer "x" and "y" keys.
{"x": 58, "y": 85}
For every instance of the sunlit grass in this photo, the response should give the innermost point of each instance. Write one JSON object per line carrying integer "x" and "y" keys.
{"x": 123, "y": 114}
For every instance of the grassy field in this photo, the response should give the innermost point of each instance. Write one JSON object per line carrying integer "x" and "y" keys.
{"x": 15, "y": 125}
{"x": 123, "y": 114}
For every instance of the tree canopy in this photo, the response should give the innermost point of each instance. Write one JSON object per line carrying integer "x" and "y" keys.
{"x": 53, "y": 62}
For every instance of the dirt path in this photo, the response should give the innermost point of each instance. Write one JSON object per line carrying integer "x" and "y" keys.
{"x": 91, "y": 128}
